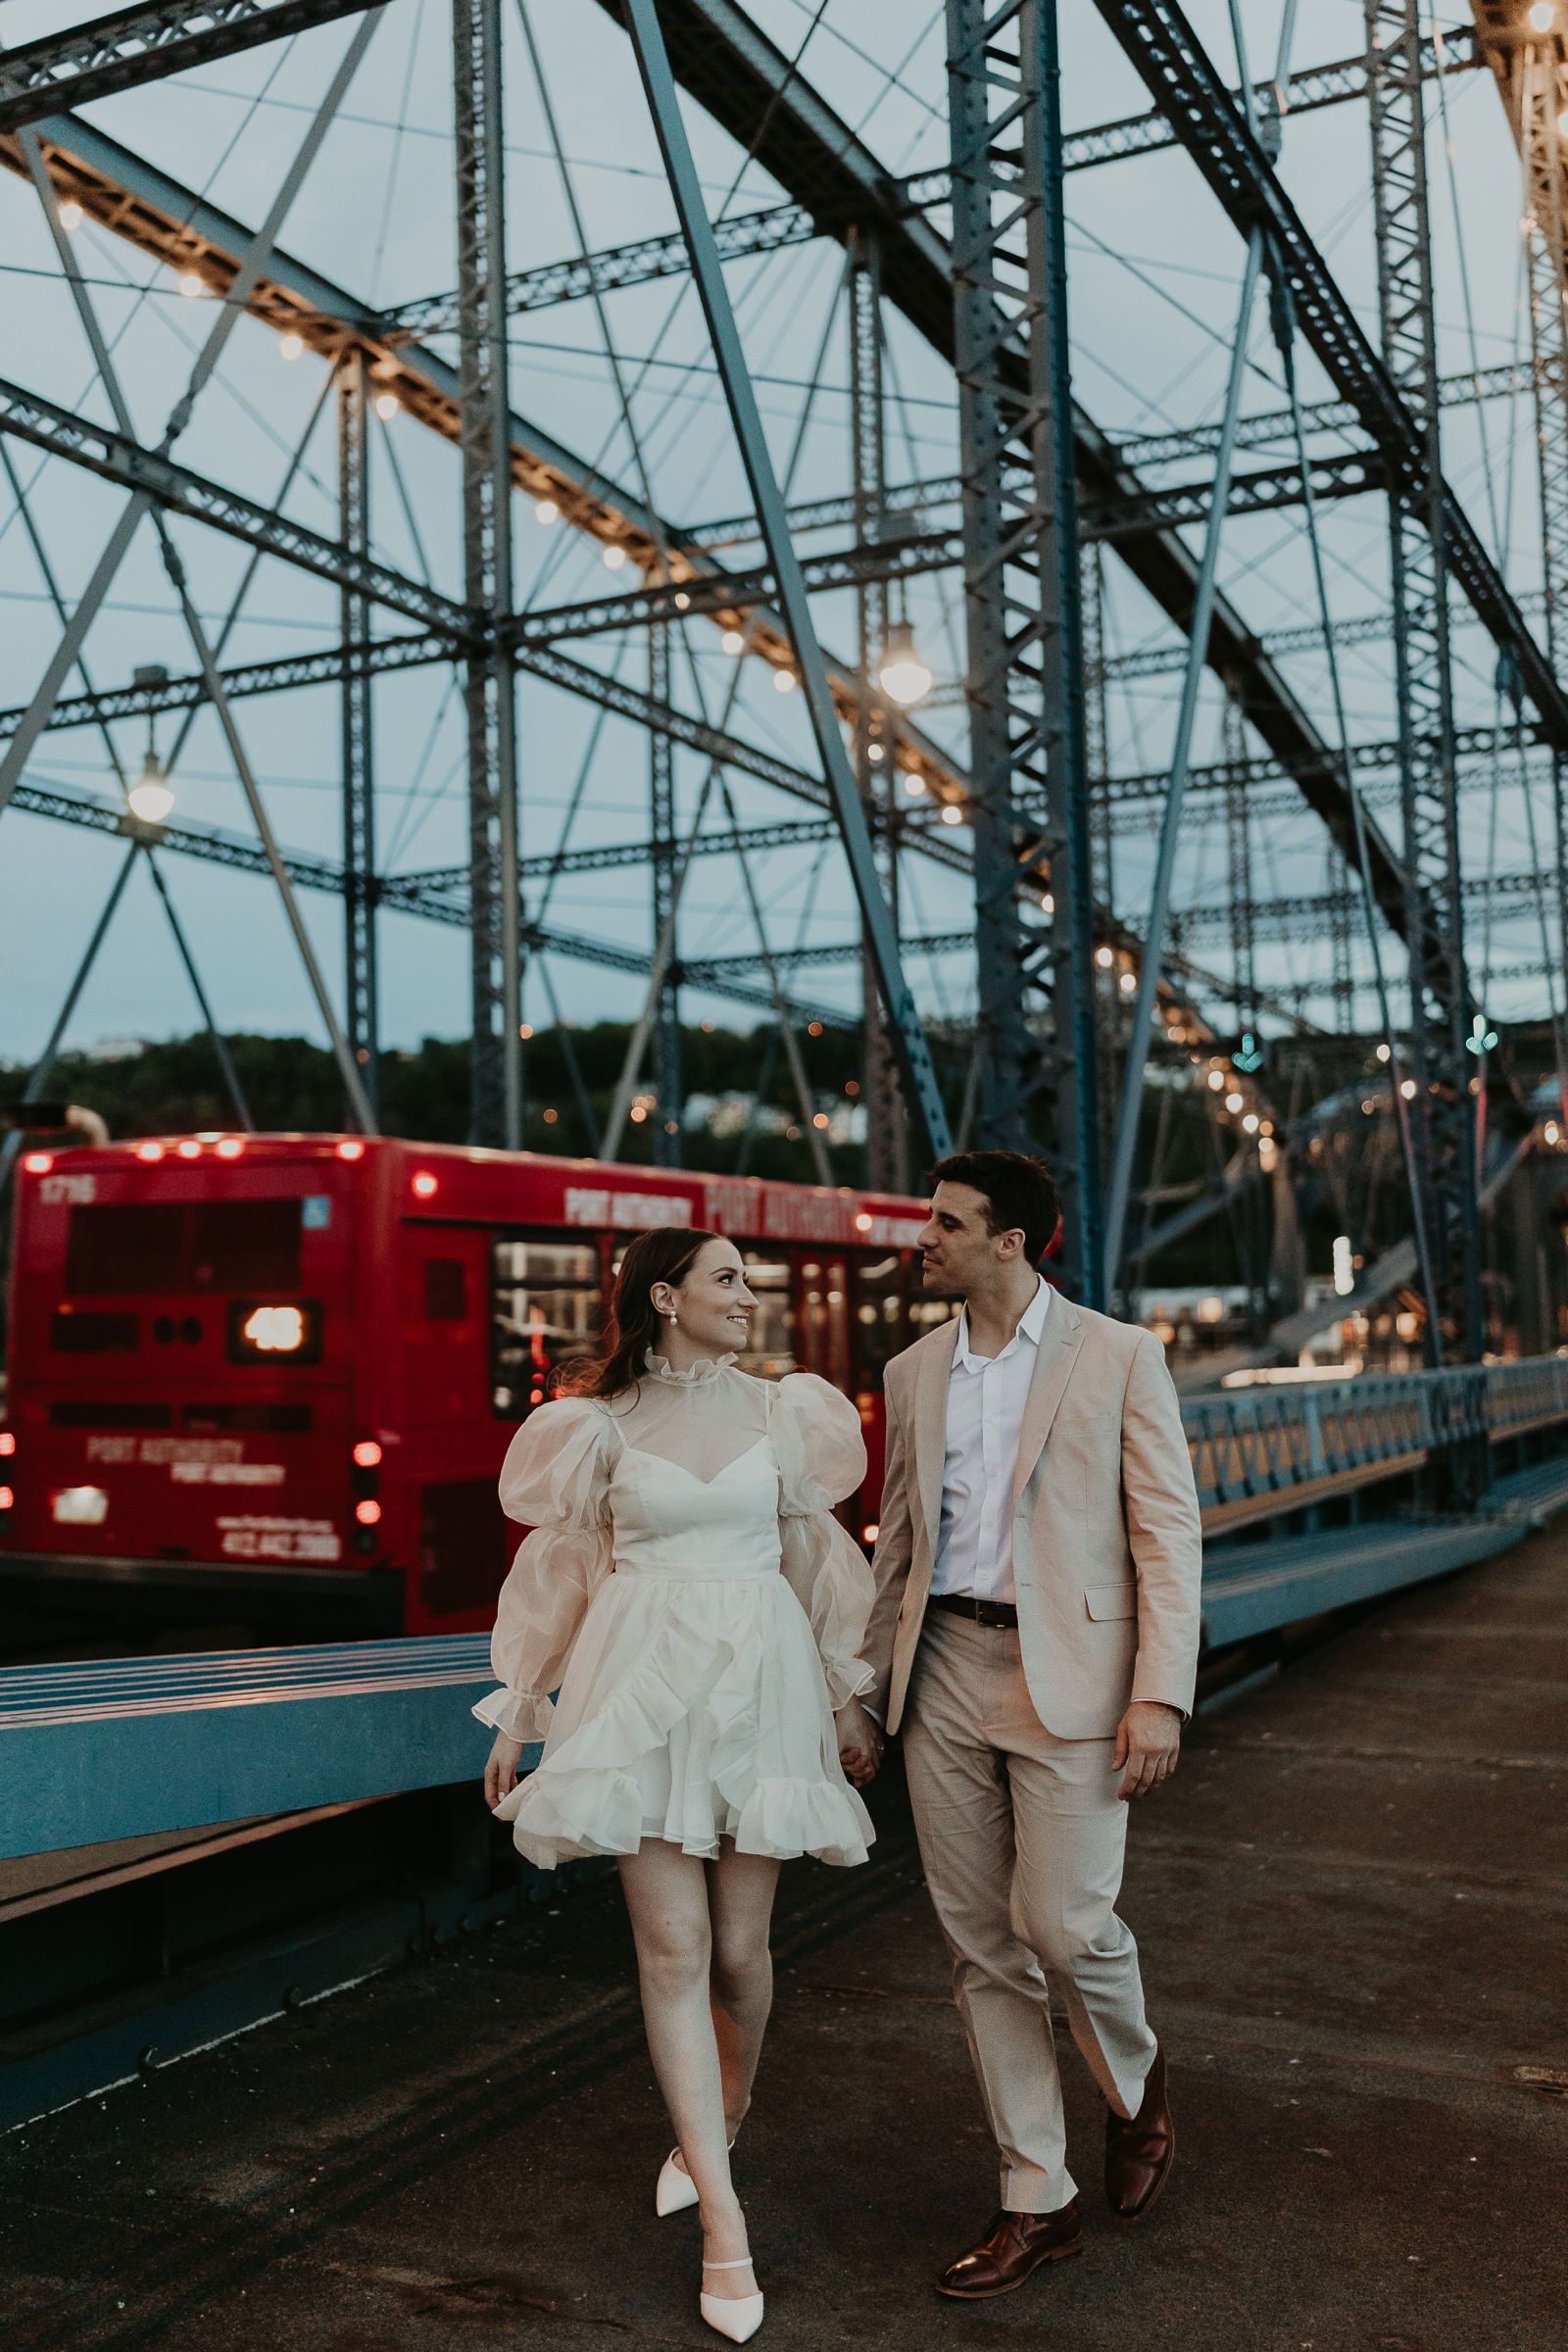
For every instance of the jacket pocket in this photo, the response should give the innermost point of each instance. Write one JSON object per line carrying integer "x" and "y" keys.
{"x": 1110, "y": 1600}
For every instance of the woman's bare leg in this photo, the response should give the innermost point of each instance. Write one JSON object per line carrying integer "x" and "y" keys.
{"x": 740, "y": 1906}
{"x": 667, "y": 1895}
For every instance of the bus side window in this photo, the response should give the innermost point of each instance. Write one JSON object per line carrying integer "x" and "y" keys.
{"x": 770, "y": 1338}
{"x": 825, "y": 1317}
{"x": 545, "y": 1310}
{"x": 446, "y": 1290}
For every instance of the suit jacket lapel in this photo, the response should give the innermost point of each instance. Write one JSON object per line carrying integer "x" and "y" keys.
{"x": 1059, "y": 1342}
{"x": 931, "y": 1428}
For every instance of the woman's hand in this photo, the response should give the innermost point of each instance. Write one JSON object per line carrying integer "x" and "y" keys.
{"x": 501, "y": 1772}
{"x": 859, "y": 1742}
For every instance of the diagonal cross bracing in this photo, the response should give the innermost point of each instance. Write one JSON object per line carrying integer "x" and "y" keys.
{"x": 133, "y": 199}
{"x": 749, "y": 86}
{"x": 1181, "y": 78}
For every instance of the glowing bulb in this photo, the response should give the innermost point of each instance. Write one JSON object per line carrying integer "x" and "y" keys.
{"x": 1562, "y": 124}
{"x": 546, "y": 511}
{"x": 150, "y": 796}
{"x": 1541, "y": 15}
{"x": 952, "y": 814}
{"x": 1251, "y": 1122}
{"x": 387, "y": 404}
{"x": 190, "y": 285}
{"x": 1344, "y": 1266}
{"x": 1104, "y": 957}
{"x": 783, "y": 681}
{"x": 1550, "y": 1131}
{"x": 290, "y": 346}
{"x": 1128, "y": 983}
{"x": 70, "y": 216}
{"x": 1233, "y": 1102}
{"x": 874, "y": 751}
{"x": 903, "y": 674}
{"x": 733, "y": 642}
{"x": 862, "y": 1223}
{"x": 615, "y": 557}
{"x": 914, "y": 784}
{"x": 1407, "y": 1089}
{"x": 1382, "y": 1053}
{"x": 1216, "y": 1079}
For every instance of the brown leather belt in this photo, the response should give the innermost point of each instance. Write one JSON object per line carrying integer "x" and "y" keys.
{"x": 979, "y": 1612}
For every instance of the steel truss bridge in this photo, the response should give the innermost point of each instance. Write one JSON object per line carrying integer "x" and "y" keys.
{"x": 1045, "y": 505}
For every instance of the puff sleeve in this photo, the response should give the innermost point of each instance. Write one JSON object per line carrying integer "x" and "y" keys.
{"x": 822, "y": 1457}
{"x": 555, "y": 1479}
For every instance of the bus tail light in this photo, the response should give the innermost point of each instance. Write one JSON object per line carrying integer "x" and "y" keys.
{"x": 365, "y": 1476}
{"x": 79, "y": 1506}
{"x": 230, "y": 1148}
{"x": 8, "y": 1500}
{"x": 870, "y": 1532}
{"x": 149, "y": 1152}
{"x": 8, "y": 1440}
{"x": 425, "y": 1185}
{"x": 38, "y": 1164}
{"x": 366, "y": 1453}
{"x": 367, "y": 1513}
{"x": 351, "y": 1148}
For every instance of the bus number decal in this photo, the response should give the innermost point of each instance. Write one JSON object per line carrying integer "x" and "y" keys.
{"x": 258, "y": 1539}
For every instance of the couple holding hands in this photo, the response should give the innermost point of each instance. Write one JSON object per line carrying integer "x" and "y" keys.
{"x": 726, "y": 1664}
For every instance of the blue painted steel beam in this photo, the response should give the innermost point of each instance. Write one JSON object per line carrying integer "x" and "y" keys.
{"x": 177, "y": 1743}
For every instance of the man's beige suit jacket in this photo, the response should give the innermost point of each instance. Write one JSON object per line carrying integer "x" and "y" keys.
{"x": 1106, "y": 1549}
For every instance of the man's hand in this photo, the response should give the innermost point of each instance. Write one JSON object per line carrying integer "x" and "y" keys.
{"x": 859, "y": 1742}
{"x": 1148, "y": 1740}
{"x": 501, "y": 1772}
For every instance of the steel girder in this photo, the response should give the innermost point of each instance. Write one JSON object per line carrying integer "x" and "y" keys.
{"x": 1536, "y": 91}
{"x": 1025, "y": 654}
{"x": 752, "y": 89}
{"x": 1181, "y": 78}
{"x": 495, "y": 1068}
{"x": 360, "y": 1021}
{"x": 107, "y": 453}
{"x": 778, "y": 226}
{"x": 145, "y": 45}
{"x": 1444, "y": 1109}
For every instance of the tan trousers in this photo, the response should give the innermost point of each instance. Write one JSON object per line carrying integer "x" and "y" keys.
{"x": 1022, "y": 1837}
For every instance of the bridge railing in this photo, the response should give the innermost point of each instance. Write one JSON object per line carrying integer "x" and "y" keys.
{"x": 1306, "y": 1441}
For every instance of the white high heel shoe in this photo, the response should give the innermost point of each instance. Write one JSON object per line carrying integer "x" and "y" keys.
{"x": 676, "y": 2188}
{"x": 738, "y": 2317}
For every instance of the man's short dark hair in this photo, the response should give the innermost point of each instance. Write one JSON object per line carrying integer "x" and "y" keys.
{"x": 1016, "y": 1190}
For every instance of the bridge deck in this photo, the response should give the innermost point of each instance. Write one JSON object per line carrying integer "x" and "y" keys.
{"x": 1352, "y": 1905}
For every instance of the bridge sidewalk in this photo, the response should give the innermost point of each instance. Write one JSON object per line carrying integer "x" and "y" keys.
{"x": 1351, "y": 1906}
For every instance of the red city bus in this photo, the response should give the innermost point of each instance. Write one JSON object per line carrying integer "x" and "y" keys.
{"x": 245, "y": 1366}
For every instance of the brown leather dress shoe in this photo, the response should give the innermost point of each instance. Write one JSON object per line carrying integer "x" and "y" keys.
{"x": 1010, "y": 2251}
{"x": 1139, "y": 2151}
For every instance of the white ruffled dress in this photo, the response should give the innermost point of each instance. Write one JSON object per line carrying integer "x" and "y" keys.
{"x": 687, "y": 1586}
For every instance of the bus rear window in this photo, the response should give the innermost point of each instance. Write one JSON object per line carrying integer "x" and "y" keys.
{"x": 118, "y": 1247}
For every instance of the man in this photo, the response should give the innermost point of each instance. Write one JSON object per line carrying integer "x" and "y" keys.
{"x": 1035, "y": 1634}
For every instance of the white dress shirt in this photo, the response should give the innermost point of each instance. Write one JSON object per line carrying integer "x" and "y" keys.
{"x": 986, "y": 1398}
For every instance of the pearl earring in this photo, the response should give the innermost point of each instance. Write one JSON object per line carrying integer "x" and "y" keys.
{"x": 672, "y": 1314}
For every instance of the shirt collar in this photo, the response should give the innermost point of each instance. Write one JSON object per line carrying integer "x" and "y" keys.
{"x": 1031, "y": 1323}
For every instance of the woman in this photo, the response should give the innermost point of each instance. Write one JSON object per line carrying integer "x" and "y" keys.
{"x": 689, "y": 1590}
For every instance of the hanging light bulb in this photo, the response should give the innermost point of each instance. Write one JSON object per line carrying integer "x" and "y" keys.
{"x": 903, "y": 675}
{"x": 1541, "y": 15}
{"x": 150, "y": 796}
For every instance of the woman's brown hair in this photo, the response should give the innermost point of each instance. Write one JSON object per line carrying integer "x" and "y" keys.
{"x": 664, "y": 1256}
